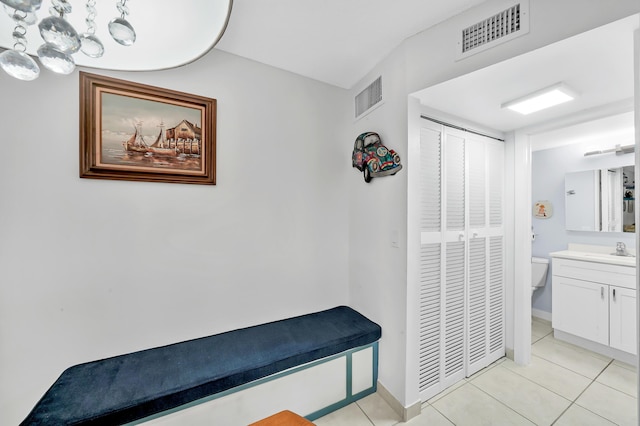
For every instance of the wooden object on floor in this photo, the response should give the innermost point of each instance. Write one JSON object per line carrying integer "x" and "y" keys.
{"x": 283, "y": 418}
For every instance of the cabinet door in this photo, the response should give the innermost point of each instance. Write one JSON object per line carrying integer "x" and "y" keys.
{"x": 623, "y": 319}
{"x": 581, "y": 308}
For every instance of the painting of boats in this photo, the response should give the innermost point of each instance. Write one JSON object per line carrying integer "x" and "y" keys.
{"x": 187, "y": 142}
{"x": 148, "y": 133}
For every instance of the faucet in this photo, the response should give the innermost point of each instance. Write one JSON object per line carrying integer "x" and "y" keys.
{"x": 621, "y": 249}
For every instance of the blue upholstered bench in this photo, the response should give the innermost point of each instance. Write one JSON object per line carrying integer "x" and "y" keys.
{"x": 138, "y": 385}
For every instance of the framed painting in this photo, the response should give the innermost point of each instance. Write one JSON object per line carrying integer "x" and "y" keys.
{"x": 132, "y": 131}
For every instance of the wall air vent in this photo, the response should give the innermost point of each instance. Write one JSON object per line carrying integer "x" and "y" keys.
{"x": 501, "y": 27}
{"x": 369, "y": 97}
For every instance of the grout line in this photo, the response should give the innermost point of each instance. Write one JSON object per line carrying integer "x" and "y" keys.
{"x": 441, "y": 413}
{"x": 616, "y": 390}
{"x": 539, "y": 338}
{"x": 365, "y": 414}
{"x": 543, "y": 386}
{"x": 579, "y": 352}
{"x": 581, "y": 393}
{"x": 502, "y": 403}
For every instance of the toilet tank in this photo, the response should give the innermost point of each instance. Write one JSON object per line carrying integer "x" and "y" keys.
{"x": 539, "y": 268}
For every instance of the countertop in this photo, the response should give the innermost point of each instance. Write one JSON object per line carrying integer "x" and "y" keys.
{"x": 598, "y": 257}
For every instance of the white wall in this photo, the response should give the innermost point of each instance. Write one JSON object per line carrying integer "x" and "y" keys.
{"x": 376, "y": 209}
{"x": 91, "y": 269}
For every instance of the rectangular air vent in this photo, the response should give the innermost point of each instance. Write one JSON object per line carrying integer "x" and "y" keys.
{"x": 503, "y": 26}
{"x": 369, "y": 97}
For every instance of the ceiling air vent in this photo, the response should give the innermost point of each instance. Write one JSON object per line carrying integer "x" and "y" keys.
{"x": 369, "y": 97}
{"x": 498, "y": 28}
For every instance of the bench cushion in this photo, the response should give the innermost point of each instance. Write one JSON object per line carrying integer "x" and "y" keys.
{"x": 129, "y": 387}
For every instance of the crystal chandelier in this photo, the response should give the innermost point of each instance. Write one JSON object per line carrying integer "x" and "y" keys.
{"x": 61, "y": 40}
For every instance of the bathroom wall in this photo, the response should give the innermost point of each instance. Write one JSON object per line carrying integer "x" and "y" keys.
{"x": 549, "y": 167}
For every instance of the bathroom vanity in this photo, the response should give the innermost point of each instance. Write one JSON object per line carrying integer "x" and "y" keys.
{"x": 594, "y": 300}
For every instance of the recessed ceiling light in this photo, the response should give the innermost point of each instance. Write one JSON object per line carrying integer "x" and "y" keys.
{"x": 554, "y": 95}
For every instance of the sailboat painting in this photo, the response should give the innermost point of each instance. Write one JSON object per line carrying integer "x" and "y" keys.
{"x": 136, "y": 132}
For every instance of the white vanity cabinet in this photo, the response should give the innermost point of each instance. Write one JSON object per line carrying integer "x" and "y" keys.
{"x": 595, "y": 302}
{"x": 581, "y": 308}
{"x": 622, "y": 319}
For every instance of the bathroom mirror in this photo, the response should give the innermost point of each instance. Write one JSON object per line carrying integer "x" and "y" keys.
{"x": 600, "y": 200}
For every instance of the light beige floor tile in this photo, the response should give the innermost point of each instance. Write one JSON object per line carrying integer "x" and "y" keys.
{"x": 468, "y": 405}
{"x": 560, "y": 380}
{"x": 350, "y": 415}
{"x": 446, "y": 392}
{"x": 378, "y": 411}
{"x": 529, "y": 399}
{"x": 568, "y": 356}
{"x": 609, "y": 403}
{"x": 539, "y": 329}
{"x": 577, "y": 348}
{"x": 620, "y": 378}
{"x": 429, "y": 417}
{"x": 578, "y": 416}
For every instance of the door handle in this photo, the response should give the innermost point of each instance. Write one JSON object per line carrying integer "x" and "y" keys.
{"x": 602, "y": 292}
{"x": 614, "y": 294}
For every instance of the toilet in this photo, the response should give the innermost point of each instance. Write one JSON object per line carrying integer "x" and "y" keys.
{"x": 539, "y": 268}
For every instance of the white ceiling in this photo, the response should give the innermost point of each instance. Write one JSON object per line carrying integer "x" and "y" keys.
{"x": 338, "y": 42}
{"x": 597, "y": 64}
{"x": 334, "y": 41}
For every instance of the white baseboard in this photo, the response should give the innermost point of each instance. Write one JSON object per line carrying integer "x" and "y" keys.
{"x": 406, "y": 413}
{"x": 547, "y": 316}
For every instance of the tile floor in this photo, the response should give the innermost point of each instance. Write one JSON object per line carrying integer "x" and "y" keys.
{"x": 564, "y": 385}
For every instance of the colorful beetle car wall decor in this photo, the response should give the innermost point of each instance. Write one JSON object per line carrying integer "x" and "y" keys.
{"x": 374, "y": 159}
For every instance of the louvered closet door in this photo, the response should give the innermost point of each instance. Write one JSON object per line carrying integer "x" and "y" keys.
{"x": 443, "y": 259}
{"x": 495, "y": 250}
{"x": 485, "y": 302}
{"x": 455, "y": 254}
{"x": 431, "y": 256}
{"x": 461, "y": 256}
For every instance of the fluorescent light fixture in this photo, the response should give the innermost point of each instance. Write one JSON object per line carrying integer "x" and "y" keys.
{"x": 619, "y": 150}
{"x": 553, "y": 95}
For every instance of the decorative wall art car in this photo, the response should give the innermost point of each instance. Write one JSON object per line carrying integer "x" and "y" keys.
{"x": 374, "y": 159}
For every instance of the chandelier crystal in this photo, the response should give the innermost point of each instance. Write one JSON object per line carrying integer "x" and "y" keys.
{"x": 117, "y": 35}
{"x": 16, "y": 62}
{"x": 61, "y": 40}
{"x": 91, "y": 45}
{"x": 120, "y": 29}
